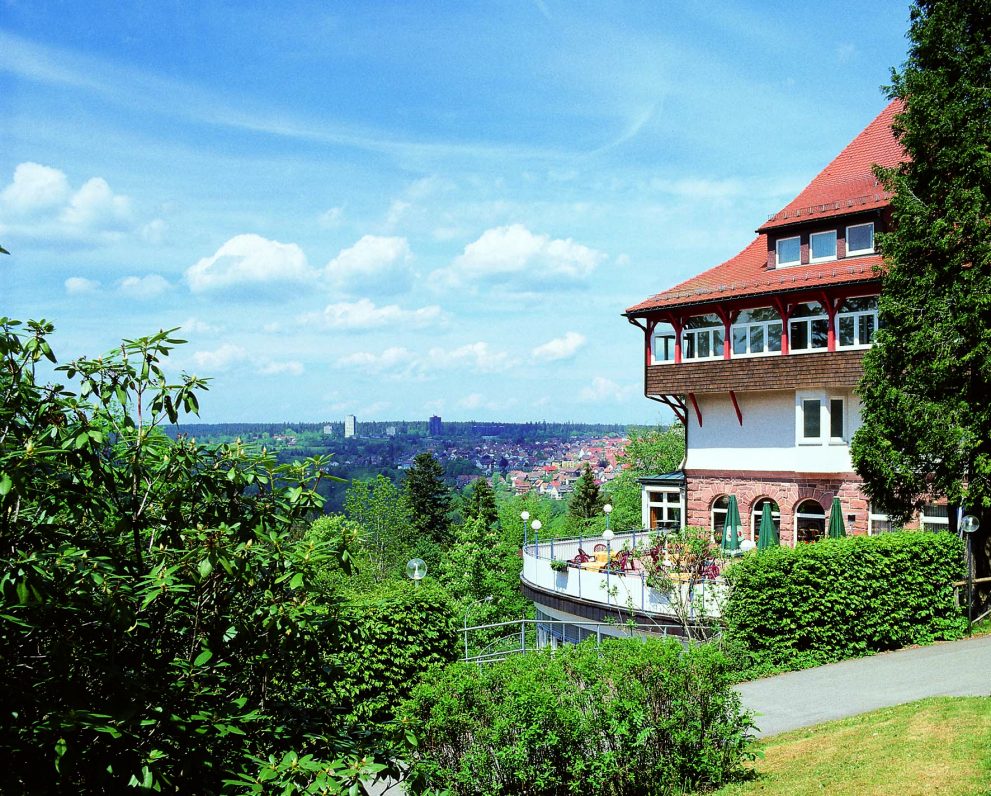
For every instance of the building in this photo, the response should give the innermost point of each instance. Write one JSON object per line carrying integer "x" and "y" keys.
{"x": 350, "y": 426}
{"x": 436, "y": 426}
{"x": 760, "y": 356}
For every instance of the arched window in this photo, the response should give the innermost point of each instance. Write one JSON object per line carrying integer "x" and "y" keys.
{"x": 810, "y": 521}
{"x": 719, "y": 506}
{"x": 755, "y": 514}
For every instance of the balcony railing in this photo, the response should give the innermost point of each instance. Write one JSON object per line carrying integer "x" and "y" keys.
{"x": 622, "y": 590}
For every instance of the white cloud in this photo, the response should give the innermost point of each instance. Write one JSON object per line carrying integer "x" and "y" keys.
{"x": 389, "y": 359}
{"x": 289, "y": 367}
{"x": 35, "y": 187}
{"x": 329, "y": 219}
{"x": 559, "y": 347}
{"x": 249, "y": 261}
{"x": 222, "y": 358}
{"x": 363, "y": 314}
{"x": 474, "y": 356}
{"x": 95, "y": 206}
{"x": 401, "y": 362}
{"x": 397, "y": 210}
{"x": 78, "y": 285}
{"x": 143, "y": 287}
{"x": 699, "y": 189}
{"x": 197, "y": 326}
{"x": 154, "y": 232}
{"x": 603, "y": 390}
{"x": 382, "y": 262}
{"x": 515, "y": 251}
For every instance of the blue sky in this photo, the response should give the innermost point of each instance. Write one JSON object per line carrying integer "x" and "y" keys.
{"x": 403, "y": 209}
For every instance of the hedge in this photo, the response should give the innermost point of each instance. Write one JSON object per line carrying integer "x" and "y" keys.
{"x": 636, "y": 717}
{"x": 843, "y": 598}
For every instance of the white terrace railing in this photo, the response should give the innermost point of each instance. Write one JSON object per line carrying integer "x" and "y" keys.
{"x": 627, "y": 590}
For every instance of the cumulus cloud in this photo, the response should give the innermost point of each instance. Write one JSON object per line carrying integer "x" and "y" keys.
{"x": 222, "y": 358}
{"x": 401, "y": 362}
{"x": 96, "y": 206}
{"x": 78, "y": 285}
{"x": 514, "y": 251}
{"x": 473, "y": 356}
{"x": 382, "y": 262}
{"x": 249, "y": 261}
{"x": 287, "y": 368}
{"x": 560, "y": 347}
{"x": 363, "y": 314}
{"x": 197, "y": 326}
{"x": 603, "y": 390}
{"x": 143, "y": 287}
{"x": 35, "y": 187}
{"x": 154, "y": 232}
{"x": 389, "y": 359}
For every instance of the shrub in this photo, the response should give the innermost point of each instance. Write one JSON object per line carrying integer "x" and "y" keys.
{"x": 636, "y": 717}
{"x": 842, "y": 598}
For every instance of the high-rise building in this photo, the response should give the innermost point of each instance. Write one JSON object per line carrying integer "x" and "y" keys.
{"x": 350, "y": 426}
{"x": 436, "y": 427}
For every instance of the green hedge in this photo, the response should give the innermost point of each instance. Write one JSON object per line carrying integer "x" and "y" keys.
{"x": 843, "y": 598}
{"x": 384, "y": 647}
{"x": 635, "y": 718}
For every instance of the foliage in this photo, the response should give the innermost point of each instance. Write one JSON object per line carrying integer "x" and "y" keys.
{"x": 480, "y": 501}
{"x": 559, "y": 566}
{"x": 925, "y": 392}
{"x": 429, "y": 499}
{"x": 841, "y": 598}
{"x": 383, "y": 513}
{"x": 384, "y": 645}
{"x": 648, "y": 452}
{"x": 586, "y": 501}
{"x": 158, "y": 621}
{"x": 647, "y": 717}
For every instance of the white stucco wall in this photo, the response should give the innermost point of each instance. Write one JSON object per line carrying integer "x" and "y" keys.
{"x": 767, "y": 439}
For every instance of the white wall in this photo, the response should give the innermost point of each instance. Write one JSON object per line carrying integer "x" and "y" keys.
{"x": 767, "y": 439}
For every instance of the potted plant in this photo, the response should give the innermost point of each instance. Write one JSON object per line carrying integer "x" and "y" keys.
{"x": 559, "y": 566}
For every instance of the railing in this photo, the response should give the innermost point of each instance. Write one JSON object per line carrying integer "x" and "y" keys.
{"x": 625, "y": 590}
{"x": 541, "y": 631}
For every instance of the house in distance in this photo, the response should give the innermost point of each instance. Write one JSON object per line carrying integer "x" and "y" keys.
{"x": 760, "y": 356}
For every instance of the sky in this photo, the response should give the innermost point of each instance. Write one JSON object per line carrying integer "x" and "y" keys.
{"x": 395, "y": 210}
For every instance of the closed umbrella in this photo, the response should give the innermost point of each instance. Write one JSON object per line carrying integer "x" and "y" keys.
{"x": 836, "y": 527}
{"x": 731, "y": 530}
{"x": 768, "y": 535}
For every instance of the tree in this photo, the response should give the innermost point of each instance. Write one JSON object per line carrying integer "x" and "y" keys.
{"x": 926, "y": 390}
{"x": 429, "y": 499}
{"x": 383, "y": 513}
{"x": 586, "y": 502}
{"x": 158, "y": 622}
{"x": 648, "y": 452}
{"x": 480, "y": 502}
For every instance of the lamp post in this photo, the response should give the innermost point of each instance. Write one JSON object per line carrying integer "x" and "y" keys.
{"x": 968, "y": 525}
{"x": 608, "y": 510}
{"x": 536, "y": 537}
{"x": 467, "y": 610}
{"x": 607, "y": 535}
{"x": 525, "y": 515}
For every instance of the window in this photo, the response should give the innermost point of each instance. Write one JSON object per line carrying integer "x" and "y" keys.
{"x": 808, "y": 327}
{"x": 703, "y": 337}
{"x": 816, "y": 414}
{"x": 663, "y": 343}
{"x": 756, "y": 331}
{"x": 860, "y": 239}
{"x": 856, "y": 322}
{"x": 664, "y": 507}
{"x": 934, "y": 517}
{"x": 789, "y": 251}
{"x": 878, "y": 522}
{"x": 755, "y": 515}
{"x": 810, "y": 522}
{"x": 822, "y": 246}
{"x": 719, "y": 507}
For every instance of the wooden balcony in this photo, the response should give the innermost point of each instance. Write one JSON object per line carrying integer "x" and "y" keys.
{"x": 816, "y": 370}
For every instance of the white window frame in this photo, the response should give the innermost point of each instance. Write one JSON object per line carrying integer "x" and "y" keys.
{"x": 826, "y": 411}
{"x": 854, "y": 252}
{"x": 803, "y": 515}
{"x": 746, "y": 327}
{"x": 777, "y": 252}
{"x": 755, "y": 515}
{"x": 873, "y": 517}
{"x": 707, "y": 331}
{"x": 659, "y": 335}
{"x": 934, "y": 519}
{"x": 858, "y": 317}
{"x": 664, "y": 505}
{"x": 813, "y": 236}
{"x": 714, "y": 510}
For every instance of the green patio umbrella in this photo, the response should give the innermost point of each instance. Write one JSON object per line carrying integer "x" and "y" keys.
{"x": 768, "y": 535}
{"x": 836, "y": 528}
{"x": 731, "y": 530}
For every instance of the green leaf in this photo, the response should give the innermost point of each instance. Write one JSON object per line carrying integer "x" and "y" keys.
{"x": 202, "y": 658}
{"x": 205, "y": 567}
{"x": 5, "y": 484}
{"x": 297, "y": 581}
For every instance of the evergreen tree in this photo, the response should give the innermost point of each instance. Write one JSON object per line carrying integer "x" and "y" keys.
{"x": 429, "y": 499}
{"x": 480, "y": 502}
{"x": 586, "y": 502}
{"x": 926, "y": 391}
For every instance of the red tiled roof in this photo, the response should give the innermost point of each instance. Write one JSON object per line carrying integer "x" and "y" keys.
{"x": 838, "y": 190}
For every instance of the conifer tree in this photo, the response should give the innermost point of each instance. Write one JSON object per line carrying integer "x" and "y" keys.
{"x": 429, "y": 498}
{"x": 480, "y": 502}
{"x": 926, "y": 391}
{"x": 586, "y": 502}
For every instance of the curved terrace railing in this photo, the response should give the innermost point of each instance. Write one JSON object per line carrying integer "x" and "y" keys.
{"x": 627, "y": 590}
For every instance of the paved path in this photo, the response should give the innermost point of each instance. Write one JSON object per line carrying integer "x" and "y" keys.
{"x": 799, "y": 699}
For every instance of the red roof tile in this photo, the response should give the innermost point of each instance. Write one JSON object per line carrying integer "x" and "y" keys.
{"x": 837, "y": 190}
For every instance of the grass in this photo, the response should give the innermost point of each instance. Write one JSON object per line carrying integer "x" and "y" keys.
{"x": 936, "y": 746}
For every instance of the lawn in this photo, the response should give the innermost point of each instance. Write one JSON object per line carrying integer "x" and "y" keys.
{"x": 936, "y": 746}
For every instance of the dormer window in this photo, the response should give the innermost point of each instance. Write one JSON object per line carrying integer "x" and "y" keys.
{"x": 789, "y": 251}
{"x": 860, "y": 239}
{"x": 822, "y": 246}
